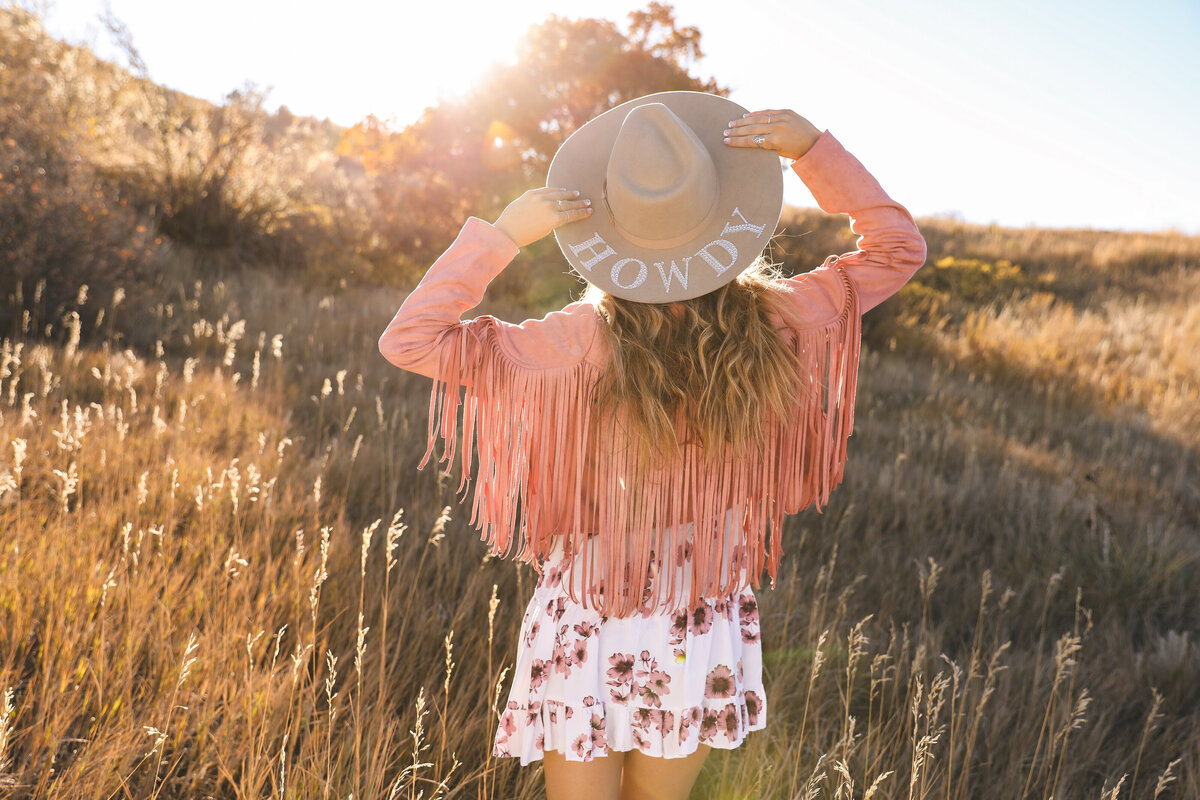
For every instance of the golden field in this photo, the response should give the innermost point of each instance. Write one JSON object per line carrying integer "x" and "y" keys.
{"x": 222, "y": 576}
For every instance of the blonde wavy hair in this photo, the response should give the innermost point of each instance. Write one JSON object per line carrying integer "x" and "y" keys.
{"x": 714, "y": 361}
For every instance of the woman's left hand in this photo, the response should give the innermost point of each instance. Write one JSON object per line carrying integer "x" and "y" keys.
{"x": 781, "y": 130}
{"x": 539, "y": 211}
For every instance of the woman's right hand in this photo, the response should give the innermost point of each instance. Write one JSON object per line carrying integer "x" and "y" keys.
{"x": 783, "y": 131}
{"x": 539, "y": 211}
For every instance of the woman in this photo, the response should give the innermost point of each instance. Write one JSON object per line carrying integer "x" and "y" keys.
{"x": 642, "y": 445}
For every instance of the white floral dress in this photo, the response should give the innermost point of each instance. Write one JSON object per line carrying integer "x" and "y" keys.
{"x": 663, "y": 682}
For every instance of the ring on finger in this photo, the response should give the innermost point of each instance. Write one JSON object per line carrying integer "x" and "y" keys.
{"x": 758, "y": 140}
{"x": 558, "y": 204}
{"x": 768, "y": 119}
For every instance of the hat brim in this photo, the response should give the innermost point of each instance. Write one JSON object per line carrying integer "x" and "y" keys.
{"x": 750, "y": 201}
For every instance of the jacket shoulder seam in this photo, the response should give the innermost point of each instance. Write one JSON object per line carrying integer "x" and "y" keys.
{"x": 849, "y": 289}
{"x": 541, "y": 366}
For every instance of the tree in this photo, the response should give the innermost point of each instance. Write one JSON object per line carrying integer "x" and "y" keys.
{"x": 473, "y": 155}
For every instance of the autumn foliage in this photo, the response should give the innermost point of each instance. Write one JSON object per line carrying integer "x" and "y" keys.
{"x": 474, "y": 154}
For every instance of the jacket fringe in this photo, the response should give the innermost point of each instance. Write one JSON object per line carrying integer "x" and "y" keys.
{"x": 546, "y": 470}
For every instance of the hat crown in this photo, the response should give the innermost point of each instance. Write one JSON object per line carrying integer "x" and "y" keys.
{"x": 683, "y": 213}
{"x": 661, "y": 183}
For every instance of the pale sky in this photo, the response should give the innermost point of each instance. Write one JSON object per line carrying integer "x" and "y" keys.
{"x": 1047, "y": 112}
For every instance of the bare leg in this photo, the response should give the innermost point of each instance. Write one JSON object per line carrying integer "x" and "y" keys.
{"x": 598, "y": 779}
{"x": 652, "y": 778}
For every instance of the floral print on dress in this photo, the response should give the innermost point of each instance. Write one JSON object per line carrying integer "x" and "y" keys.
{"x": 620, "y": 676}
{"x": 660, "y": 682}
{"x": 537, "y": 674}
{"x": 753, "y": 704}
{"x": 532, "y": 633}
{"x": 748, "y": 619}
{"x": 679, "y": 626}
{"x": 720, "y": 682}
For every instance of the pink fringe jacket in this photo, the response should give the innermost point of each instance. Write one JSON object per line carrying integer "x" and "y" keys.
{"x": 517, "y": 396}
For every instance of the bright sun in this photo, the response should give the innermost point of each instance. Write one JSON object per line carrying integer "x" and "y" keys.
{"x": 452, "y": 48}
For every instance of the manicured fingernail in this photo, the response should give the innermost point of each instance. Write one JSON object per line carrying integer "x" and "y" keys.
{"x": 727, "y": 140}
{"x": 575, "y": 193}
{"x": 727, "y": 131}
{"x": 587, "y": 202}
{"x": 589, "y": 210}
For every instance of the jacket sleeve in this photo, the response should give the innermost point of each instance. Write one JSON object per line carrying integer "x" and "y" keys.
{"x": 890, "y": 248}
{"x": 428, "y": 336}
{"x": 417, "y": 335}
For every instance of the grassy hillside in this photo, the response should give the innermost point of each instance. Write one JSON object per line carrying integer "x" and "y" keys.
{"x": 222, "y": 575}
{"x": 198, "y": 508}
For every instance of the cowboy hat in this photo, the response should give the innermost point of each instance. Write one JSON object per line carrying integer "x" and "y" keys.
{"x": 678, "y": 212}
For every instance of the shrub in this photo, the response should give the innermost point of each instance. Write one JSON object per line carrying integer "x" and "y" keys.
{"x": 60, "y": 224}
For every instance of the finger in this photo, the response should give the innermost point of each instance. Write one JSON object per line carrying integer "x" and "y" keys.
{"x": 558, "y": 193}
{"x": 748, "y": 141}
{"x": 576, "y": 214}
{"x": 567, "y": 205}
{"x": 750, "y": 137}
{"x": 749, "y": 130}
{"x": 757, "y": 118}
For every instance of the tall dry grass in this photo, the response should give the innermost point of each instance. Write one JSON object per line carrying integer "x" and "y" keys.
{"x": 222, "y": 576}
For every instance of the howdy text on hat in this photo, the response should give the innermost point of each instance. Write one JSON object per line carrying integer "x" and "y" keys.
{"x": 597, "y": 250}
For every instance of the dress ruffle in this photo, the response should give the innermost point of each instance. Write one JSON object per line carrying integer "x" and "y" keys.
{"x": 661, "y": 682}
{"x": 583, "y": 732}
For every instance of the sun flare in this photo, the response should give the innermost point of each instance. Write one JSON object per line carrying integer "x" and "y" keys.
{"x": 450, "y": 53}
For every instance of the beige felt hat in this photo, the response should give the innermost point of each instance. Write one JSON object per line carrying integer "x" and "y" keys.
{"x": 678, "y": 213}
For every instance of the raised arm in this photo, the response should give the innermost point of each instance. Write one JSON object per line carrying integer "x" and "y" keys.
{"x": 428, "y": 327}
{"x": 454, "y": 284}
{"x": 890, "y": 247}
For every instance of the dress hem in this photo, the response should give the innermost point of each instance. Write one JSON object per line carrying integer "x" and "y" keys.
{"x": 583, "y": 733}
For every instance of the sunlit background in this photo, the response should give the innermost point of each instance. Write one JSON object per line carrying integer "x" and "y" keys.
{"x": 207, "y": 467}
{"x": 1059, "y": 113}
